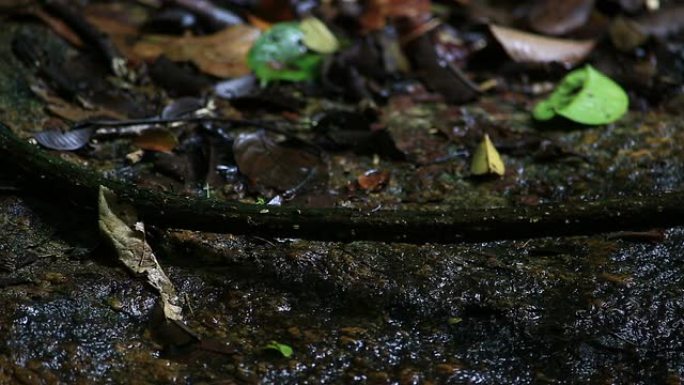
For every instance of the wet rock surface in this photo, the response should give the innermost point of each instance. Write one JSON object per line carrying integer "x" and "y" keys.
{"x": 550, "y": 310}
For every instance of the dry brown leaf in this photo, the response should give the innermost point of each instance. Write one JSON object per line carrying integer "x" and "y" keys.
{"x": 223, "y": 54}
{"x": 120, "y": 227}
{"x": 524, "y": 47}
{"x": 156, "y": 140}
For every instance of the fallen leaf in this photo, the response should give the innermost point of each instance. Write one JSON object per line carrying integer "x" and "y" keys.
{"x": 552, "y": 17}
{"x": 373, "y": 180}
{"x": 283, "y": 349}
{"x": 159, "y": 140}
{"x": 526, "y": 47}
{"x": 118, "y": 224}
{"x": 268, "y": 163}
{"x": 317, "y": 37}
{"x": 223, "y": 54}
{"x": 585, "y": 96}
{"x": 486, "y": 159}
{"x": 64, "y": 141}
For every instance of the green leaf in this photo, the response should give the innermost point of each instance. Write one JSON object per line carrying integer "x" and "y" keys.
{"x": 585, "y": 96}
{"x": 280, "y": 54}
{"x": 283, "y": 349}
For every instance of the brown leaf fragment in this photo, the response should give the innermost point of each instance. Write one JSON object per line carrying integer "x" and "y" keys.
{"x": 118, "y": 225}
{"x": 223, "y": 54}
{"x": 524, "y": 47}
{"x": 159, "y": 140}
{"x": 373, "y": 180}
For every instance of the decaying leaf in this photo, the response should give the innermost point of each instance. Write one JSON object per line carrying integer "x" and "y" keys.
{"x": 317, "y": 36}
{"x": 159, "y": 140}
{"x": 118, "y": 224}
{"x": 487, "y": 159}
{"x": 223, "y": 54}
{"x": 526, "y": 47}
{"x": 271, "y": 164}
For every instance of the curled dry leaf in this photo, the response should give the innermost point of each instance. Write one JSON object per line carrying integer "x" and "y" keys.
{"x": 223, "y": 54}
{"x": 116, "y": 222}
{"x": 552, "y": 17}
{"x": 526, "y": 47}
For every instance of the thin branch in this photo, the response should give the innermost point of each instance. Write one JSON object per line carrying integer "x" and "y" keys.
{"x": 41, "y": 172}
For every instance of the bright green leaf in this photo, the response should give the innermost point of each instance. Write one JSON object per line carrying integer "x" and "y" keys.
{"x": 283, "y": 349}
{"x": 585, "y": 96}
{"x": 317, "y": 36}
{"x": 280, "y": 54}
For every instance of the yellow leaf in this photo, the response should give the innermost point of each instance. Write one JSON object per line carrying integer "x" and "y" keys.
{"x": 317, "y": 37}
{"x": 486, "y": 159}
